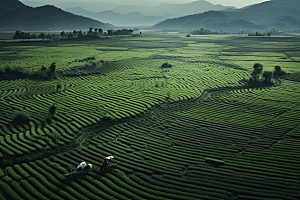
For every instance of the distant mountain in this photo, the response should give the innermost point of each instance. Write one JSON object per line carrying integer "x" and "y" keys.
{"x": 185, "y": 9}
{"x": 129, "y": 19}
{"x": 124, "y": 9}
{"x": 93, "y": 6}
{"x": 80, "y": 11}
{"x": 14, "y": 15}
{"x": 174, "y": 10}
{"x": 283, "y": 14}
{"x": 134, "y": 15}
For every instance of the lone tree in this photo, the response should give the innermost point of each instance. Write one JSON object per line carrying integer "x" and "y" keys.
{"x": 267, "y": 75}
{"x": 278, "y": 71}
{"x": 52, "y": 69}
{"x": 257, "y": 70}
{"x": 166, "y": 65}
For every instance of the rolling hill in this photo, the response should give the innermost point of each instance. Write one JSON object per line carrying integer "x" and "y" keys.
{"x": 282, "y": 14}
{"x": 15, "y": 15}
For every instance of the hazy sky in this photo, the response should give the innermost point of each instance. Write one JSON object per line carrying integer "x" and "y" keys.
{"x": 236, "y": 3}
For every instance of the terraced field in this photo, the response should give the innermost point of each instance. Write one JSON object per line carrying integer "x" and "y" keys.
{"x": 195, "y": 131}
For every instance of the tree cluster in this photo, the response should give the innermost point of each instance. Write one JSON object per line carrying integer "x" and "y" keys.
{"x": 120, "y": 32}
{"x": 258, "y": 71}
{"x": 203, "y": 32}
{"x": 266, "y": 75}
{"x": 90, "y": 34}
{"x": 259, "y": 34}
{"x": 27, "y": 35}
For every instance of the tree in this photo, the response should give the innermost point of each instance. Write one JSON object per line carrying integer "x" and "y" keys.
{"x": 278, "y": 71}
{"x": 52, "y": 68}
{"x": 27, "y": 35}
{"x": 80, "y": 34}
{"x": 90, "y": 31}
{"x": 62, "y": 34}
{"x": 22, "y": 35}
{"x": 17, "y": 35}
{"x": 70, "y": 35}
{"x": 42, "y": 36}
{"x": 48, "y": 36}
{"x": 277, "y": 68}
{"x": 109, "y": 32}
{"x": 267, "y": 75}
{"x": 100, "y": 31}
{"x": 33, "y": 36}
{"x": 257, "y": 69}
{"x": 75, "y": 33}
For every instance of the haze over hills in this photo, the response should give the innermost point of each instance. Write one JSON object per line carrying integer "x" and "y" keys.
{"x": 281, "y": 14}
{"x": 14, "y": 15}
{"x": 129, "y": 19}
{"x": 145, "y": 15}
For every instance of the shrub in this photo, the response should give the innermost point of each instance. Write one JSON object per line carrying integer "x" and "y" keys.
{"x": 52, "y": 109}
{"x": 22, "y": 116}
{"x": 166, "y": 65}
{"x": 52, "y": 68}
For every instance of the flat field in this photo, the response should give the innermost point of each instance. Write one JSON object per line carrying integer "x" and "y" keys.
{"x": 193, "y": 131}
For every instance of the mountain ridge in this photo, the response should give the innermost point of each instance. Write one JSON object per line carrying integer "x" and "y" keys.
{"x": 261, "y": 16}
{"x": 17, "y": 16}
{"x": 150, "y": 14}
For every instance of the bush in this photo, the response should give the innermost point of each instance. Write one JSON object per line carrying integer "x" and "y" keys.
{"x": 166, "y": 65}
{"x": 22, "y": 116}
{"x": 52, "y": 109}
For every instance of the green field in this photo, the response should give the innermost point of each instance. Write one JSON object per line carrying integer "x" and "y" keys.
{"x": 195, "y": 131}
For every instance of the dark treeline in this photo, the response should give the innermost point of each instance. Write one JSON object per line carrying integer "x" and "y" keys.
{"x": 203, "y": 32}
{"x": 27, "y": 35}
{"x": 92, "y": 33}
{"x": 259, "y": 34}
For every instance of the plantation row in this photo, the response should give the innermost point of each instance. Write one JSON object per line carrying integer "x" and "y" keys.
{"x": 229, "y": 144}
{"x": 126, "y": 91}
{"x": 166, "y": 156}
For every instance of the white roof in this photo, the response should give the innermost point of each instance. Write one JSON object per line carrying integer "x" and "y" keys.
{"x": 109, "y": 157}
